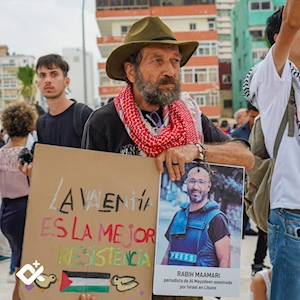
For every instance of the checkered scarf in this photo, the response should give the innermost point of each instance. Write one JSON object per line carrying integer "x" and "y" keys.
{"x": 179, "y": 126}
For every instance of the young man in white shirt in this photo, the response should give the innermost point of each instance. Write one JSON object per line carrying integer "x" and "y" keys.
{"x": 268, "y": 87}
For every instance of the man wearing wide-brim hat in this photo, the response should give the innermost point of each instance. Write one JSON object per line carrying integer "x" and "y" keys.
{"x": 151, "y": 116}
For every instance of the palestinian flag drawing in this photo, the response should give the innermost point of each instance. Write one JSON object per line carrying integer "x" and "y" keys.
{"x": 81, "y": 282}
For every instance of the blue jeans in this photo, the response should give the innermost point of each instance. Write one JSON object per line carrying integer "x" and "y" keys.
{"x": 12, "y": 265}
{"x": 284, "y": 248}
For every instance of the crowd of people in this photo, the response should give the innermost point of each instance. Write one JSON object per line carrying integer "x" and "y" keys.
{"x": 151, "y": 117}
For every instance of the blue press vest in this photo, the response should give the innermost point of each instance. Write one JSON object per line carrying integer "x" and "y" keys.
{"x": 190, "y": 244}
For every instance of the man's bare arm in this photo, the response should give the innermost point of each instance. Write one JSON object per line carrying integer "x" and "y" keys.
{"x": 289, "y": 28}
{"x": 232, "y": 153}
{"x": 223, "y": 251}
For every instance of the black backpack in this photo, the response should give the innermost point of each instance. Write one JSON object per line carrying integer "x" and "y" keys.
{"x": 77, "y": 122}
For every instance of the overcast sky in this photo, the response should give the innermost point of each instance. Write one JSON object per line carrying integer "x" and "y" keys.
{"x": 40, "y": 27}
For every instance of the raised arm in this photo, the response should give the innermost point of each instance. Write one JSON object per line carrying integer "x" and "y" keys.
{"x": 286, "y": 37}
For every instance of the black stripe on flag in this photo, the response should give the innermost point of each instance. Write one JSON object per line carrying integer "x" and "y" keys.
{"x": 88, "y": 274}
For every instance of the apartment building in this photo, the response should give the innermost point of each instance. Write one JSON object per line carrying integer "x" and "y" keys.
{"x": 9, "y": 84}
{"x": 189, "y": 20}
{"x": 249, "y": 45}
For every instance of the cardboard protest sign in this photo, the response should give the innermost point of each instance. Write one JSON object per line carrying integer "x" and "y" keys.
{"x": 199, "y": 232}
{"x": 90, "y": 225}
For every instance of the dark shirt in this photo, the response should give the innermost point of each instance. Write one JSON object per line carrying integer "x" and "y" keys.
{"x": 242, "y": 132}
{"x": 59, "y": 129}
{"x": 105, "y": 131}
{"x": 217, "y": 227}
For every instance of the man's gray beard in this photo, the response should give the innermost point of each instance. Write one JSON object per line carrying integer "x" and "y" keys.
{"x": 153, "y": 95}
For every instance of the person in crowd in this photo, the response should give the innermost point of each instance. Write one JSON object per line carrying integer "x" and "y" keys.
{"x": 241, "y": 117}
{"x": 151, "y": 117}
{"x": 243, "y": 132}
{"x": 260, "y": 287}
{"x": 268, "y": 86}
{"x": 18, "y": 120}
{"x": 224, "y": 126}
{"x": 215, "y": 122}
{"x": 57, "y": 126}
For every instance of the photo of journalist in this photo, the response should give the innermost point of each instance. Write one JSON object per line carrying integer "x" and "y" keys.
{"x": 198, "y": 234}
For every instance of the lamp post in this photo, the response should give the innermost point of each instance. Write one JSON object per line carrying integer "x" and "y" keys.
{"x": 83, "y": 55}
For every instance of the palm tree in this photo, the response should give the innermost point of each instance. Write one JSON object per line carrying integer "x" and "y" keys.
{"x": 26, "y": 76}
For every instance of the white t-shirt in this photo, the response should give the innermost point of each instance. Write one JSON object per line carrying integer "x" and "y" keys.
{"x": 270, "y": 93}
{"x": 265, "y": 276}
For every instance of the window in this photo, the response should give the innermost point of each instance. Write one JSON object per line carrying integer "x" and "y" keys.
{"x": 188, "y": 76}
{"x": 254, "y": 5}
{"x": 257, "y": 35}
{"x": 199, "y": 98}
{"x": 192, "y": 26}
{"x": 226, "y": 78}
{"x": 227, "y": 103}
{"x": 211, "y": 24}
{"x": 213, "y": 99}
{"x": 76, "y": 59}
{"x": 213, "y": 75}
{"x": 200, "y": 75}
{"x": 266, "y": 5}
{"x": 124, "y": 29}
{"x": 206, "y": 48}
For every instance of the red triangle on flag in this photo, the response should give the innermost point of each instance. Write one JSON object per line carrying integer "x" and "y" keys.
{"x": 65, "y": 281}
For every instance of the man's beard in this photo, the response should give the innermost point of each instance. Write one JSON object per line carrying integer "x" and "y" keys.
{"x": 153, "y": 95}
{"x": 198, "y": 198}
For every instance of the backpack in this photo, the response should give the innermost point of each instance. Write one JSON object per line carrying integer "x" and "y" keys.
{"x": 257, "y": 196}
{"x": 77, "y": 122}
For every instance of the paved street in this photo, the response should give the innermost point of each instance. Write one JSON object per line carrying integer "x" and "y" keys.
{"x": 248, "y": 247}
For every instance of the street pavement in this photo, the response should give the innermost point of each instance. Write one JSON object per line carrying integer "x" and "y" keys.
{"x": 248, "y": 249}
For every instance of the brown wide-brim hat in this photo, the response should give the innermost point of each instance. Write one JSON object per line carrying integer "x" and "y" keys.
{"x": 147, "y": 31}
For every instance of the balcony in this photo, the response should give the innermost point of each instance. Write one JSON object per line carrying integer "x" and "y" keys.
{"x": 145, "y": 4}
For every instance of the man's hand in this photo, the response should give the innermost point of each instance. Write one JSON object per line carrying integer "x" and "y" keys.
{"x": 87, "y": 297}
{"x": 26, "y": 169}
{"x": 175, "y": 159}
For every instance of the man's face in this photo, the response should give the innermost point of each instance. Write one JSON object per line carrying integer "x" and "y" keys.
{"x": 198, "y": 185}
{"x": 51, "y": 82}
{"x": 157, "y": 77}
{"x": 252, "y": 115}
{"x": 243, "y": 118}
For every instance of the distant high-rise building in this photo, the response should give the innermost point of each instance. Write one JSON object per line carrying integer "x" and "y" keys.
{"x": 189, "y": 20}
{"x": 74, "y": 58}
{"x": 9, "y": 83}
{"x": 249, "y": 45}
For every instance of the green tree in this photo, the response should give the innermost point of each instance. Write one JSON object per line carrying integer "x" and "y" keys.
{"x": 26, "y": 76}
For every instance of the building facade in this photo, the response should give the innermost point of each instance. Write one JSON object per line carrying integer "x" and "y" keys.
{"x": 224, "y": 8}
{"x": 189, "y": 20}
{"x": 74, "y": 57}
{"x": 9, "y": 83}
{"x": 249, "y": 45}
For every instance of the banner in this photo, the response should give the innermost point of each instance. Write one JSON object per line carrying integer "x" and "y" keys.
{"x": 90, "y": 225}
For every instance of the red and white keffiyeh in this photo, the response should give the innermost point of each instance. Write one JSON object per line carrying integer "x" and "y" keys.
{"x": 179, "y": 125}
